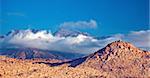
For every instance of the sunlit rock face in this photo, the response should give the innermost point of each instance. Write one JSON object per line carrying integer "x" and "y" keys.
{"x": 118, "y": 59}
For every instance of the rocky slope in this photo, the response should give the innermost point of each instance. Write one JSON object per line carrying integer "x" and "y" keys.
{"x": 116, "y": 60}
{"x": 15, "y": 68}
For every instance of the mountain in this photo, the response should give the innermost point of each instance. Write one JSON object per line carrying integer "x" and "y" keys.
{"x": 68, "y": 33}
{"x": 14, "y": 32}
{"x": 1, "y": 37}
{"x": 118, "y": 59}
{"x": 30, "y": 53}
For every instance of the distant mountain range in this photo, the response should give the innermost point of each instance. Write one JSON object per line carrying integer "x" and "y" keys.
{"x": 60, "y": 33}
{"x": 30, "y": 53}
{"x": 69, "y": 33}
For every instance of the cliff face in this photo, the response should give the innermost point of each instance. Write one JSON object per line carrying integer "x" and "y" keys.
{"x": 116, "y": 60}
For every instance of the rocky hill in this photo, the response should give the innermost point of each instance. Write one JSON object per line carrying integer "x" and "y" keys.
{"x": 118, "y": 59}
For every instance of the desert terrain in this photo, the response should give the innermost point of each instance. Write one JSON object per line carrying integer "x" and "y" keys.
{"x": 117, "y": 60}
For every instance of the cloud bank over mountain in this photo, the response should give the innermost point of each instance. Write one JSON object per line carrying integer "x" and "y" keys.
{"x": 81, "y": 43}
{"x": 139, "y": 38}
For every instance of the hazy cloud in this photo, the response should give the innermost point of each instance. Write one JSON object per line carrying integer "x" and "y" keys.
{"x": 81, "y": 44}
{"x": 45, "y": 40}
{"x": 139, "y": 38}
{"x": 79, "y": 24}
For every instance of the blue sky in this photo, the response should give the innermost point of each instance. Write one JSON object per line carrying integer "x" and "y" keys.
{"x": 112, "y": 16}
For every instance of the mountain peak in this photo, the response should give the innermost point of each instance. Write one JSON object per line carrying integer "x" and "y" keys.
{"x": 119, "y": 48}
{"x": 66, "y": 32}
{"x": 121, "y": 44}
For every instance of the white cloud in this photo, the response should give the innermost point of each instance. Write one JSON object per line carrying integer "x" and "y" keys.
{"x": 79, "y": 24}
{"x": 80, "y": 44}
{"x": 45, "y": 40}
{"x": 139, "y": 38}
